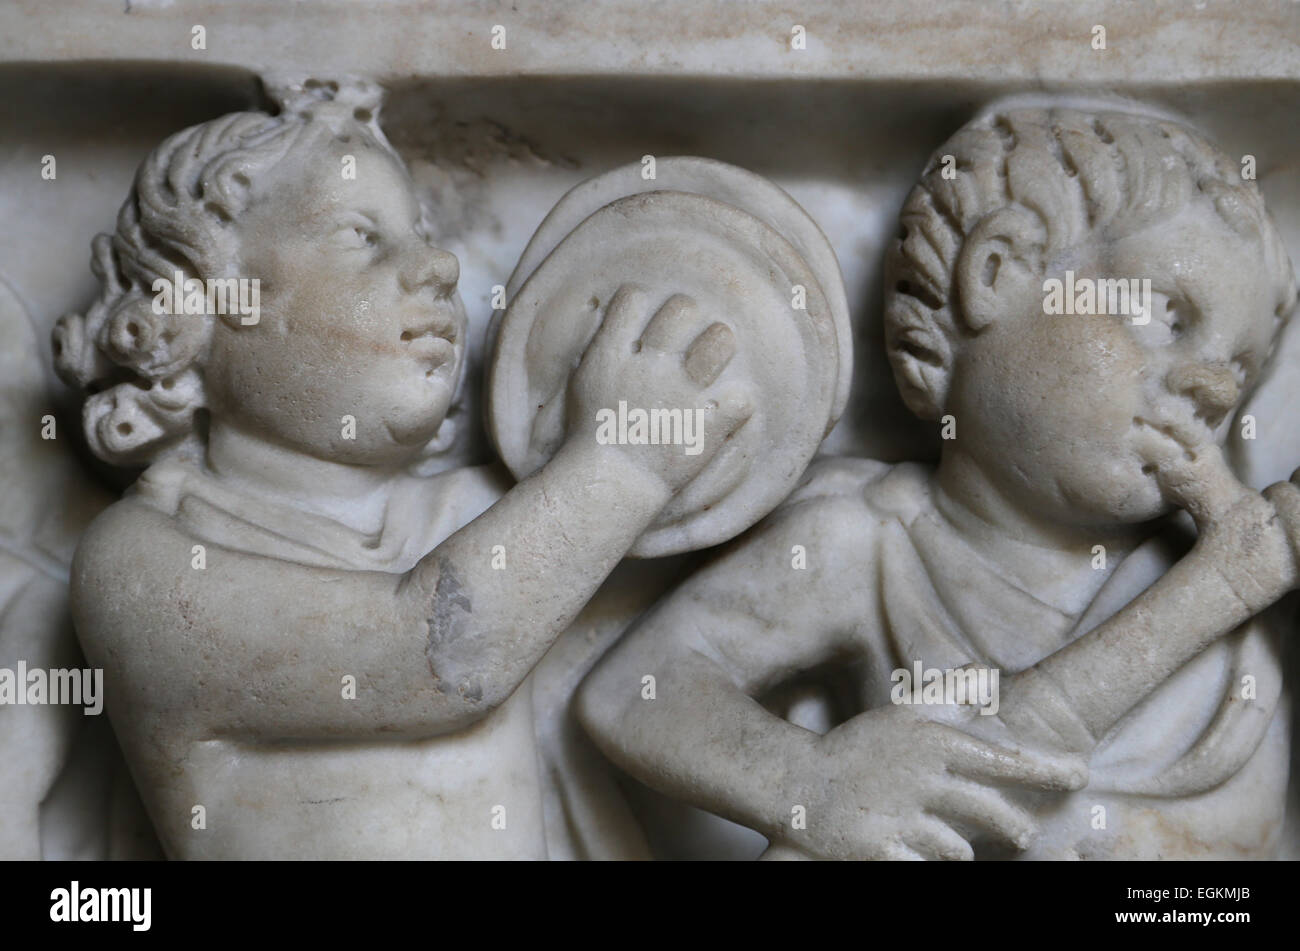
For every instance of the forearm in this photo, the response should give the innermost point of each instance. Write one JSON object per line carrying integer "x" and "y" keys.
{"x": 498, "y": 592}
{"x": 701, "y": 739}
{"x": 744, "y": 623}
{"x": 1237, "y": 569}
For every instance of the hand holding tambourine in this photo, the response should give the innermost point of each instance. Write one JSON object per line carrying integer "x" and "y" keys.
{"x": 734, "y": 282}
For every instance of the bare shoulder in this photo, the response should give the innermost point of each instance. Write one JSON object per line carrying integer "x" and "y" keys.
{"x": 128, "y": 568}
{"x": 123, "y": 545}
{"x": 830, "y": 509}
{"x": 129, "y": 592}
{"x": 805, "y": 557}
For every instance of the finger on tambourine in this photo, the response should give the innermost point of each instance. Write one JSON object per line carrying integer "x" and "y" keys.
{"x": 672, "y": 326}
{"x": 622, "y": 322}
{"x": 730, "y": 409}
{"x": 709, "y": 355}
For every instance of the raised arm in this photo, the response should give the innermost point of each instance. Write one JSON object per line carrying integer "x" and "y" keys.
{"x": 260, "y": 646}
{"x": 1246, "y": 557}
{"x": 263, "y": 644}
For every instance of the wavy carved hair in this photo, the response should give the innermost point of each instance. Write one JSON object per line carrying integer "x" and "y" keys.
{"x": 142, "y": 369}
{"x": 1074, "y": 174}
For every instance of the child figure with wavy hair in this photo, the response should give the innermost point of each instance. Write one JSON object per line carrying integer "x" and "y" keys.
{"x": 310, "y": 651}
{"x": 1141, "y": 713}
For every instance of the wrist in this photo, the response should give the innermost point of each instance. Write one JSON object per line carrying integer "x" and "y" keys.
{"x": 793, "y": 793}
{"x": 1285, "y": 499}
{"x": 1255, "y": 546}
{"x": 610, "y": 469}
{"x": 1036, "y": 709}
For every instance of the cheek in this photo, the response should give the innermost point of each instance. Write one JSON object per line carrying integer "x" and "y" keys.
{"x": 1073, "y": 379}
{"x": 335, "y": 334}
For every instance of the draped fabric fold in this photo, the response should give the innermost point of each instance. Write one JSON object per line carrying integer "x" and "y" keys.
{"x": 584, "y": 813}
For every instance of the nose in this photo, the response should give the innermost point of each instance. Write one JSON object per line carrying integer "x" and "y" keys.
{"x": 1212, "y": 387}
{"x": 429, "y": 267}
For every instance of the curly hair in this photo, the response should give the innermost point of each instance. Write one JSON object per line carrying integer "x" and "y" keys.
{"x": 143, "y": 369}
{"x": 1069, "y": 174}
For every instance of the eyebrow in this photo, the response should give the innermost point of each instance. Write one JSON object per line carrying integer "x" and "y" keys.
{"x": 366, "y": 217}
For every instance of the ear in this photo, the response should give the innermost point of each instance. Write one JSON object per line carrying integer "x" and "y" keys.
{"x": 1000, "y": 262}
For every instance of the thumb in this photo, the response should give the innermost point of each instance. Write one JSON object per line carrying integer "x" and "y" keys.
{"x": 730, "y": 409}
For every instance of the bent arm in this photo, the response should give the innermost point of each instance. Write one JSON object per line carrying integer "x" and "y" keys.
{"x": 491, "y": 613}
{"x": 1238, "y": 567}
{"x": 261, "y": 647}
{"x": 743, "y": 624}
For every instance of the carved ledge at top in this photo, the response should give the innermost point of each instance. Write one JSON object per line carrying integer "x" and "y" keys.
{"x": 996, "y": 41}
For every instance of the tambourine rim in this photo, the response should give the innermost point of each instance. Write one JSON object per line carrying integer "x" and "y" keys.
{"x": 701, "y": 528}
{"x": 588, "y": 197}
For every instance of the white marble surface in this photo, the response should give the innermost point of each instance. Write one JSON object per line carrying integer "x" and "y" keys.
{"x": 494, "y": 138}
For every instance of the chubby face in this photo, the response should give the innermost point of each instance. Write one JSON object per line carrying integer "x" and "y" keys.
{"x": 361, "y": 336}
{"x": 1067, "y": 413}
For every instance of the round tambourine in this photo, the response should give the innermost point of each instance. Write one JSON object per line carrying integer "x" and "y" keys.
{"x": 740, "y": 271}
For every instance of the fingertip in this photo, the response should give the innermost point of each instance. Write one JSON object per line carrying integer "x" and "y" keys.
{"x": 682, "y": 302}
{"x": 623, "y": 301}
{"x": 1066, "y": 777}
{"x": 722, "y": 332}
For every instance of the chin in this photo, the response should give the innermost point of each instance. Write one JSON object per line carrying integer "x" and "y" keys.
{"x": 1143, "y": 503}
{"x": 417, "y": 412}
{"x": 1123, "y": 499}
{"x": 414, "y": 434}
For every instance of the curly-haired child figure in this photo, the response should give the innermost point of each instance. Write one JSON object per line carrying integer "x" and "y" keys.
{"x": 1071, "y": 432}
{"x": 308, "y": 651}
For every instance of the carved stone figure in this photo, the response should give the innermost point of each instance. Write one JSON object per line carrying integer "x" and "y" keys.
{"x": 310, "y": 650}
{"x": 65, "y": 792}
{"x": 1141, "y": 711}
{"x": 678, "y": 541}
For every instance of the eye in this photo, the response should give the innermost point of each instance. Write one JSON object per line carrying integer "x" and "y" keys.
{"x": 1170, "y": 318}
{"x": 1175, "y": 316}
{"x": 358, "y": 235}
